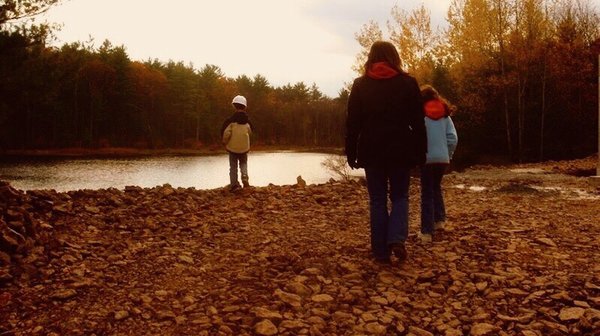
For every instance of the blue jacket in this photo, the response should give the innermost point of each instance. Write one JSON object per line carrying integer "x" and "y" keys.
{"x": 441, "y": 133}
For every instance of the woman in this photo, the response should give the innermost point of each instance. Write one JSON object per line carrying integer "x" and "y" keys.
{"x": 385, "y": 135}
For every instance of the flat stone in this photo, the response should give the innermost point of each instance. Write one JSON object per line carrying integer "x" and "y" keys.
{"x": 571, "y": 313}
{"x": 480, "y": 329}
{"x": 322, "y": 298}
{"x": 63, "y": 294}
{"x": 265, "y": 327}
{"x": 121, "y": 315}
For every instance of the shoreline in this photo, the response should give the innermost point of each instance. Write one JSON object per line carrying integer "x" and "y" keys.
{"x": 126, "y": 152}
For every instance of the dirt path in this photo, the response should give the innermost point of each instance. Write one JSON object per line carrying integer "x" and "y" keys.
{"x": 519, "y": 258}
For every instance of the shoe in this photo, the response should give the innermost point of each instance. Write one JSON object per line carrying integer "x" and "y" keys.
{"x": 382, "y": 261}
{"x": 426, "y": 238}
{"x": 246, "y": 184}
{"x": 234, "y": 187}
{"x": 399, "y": 250}
{"x": 440, "y": 225}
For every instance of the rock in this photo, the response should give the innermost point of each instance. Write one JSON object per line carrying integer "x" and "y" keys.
{"x": 63, "y": 294}
{"x": 529, "y": 333}
{"x": 5, "y": 275}
{"x": 265, "y": 327}
{"x": 165, "y": 315}
{"x": 481, "y": 286}
{"x": 375, "y": 328}
{"x": 299, "y": 289}
{"x": 321, "y": 298}
{"x": 418, "y": 331}
{"x": 343, "y": 317}
{"x": 380, "y": 300}
{"x": 4, "y": 258}
{"x": 480, "y": 329}
{"x": 292, "y": 324}
{"x": 453, "y": 332}
{"x": 582, "y": 304}
{"x": 546, "y": 241}
{"x": 121, "y": 315}
{"x": 264, "y": 313}
{"x": 516, "y": 292}
{"x": 571, "y": 313}
{"x": 186, "y": 259}
{"x": 589, "y": 285}
{"x": 92, "y": 209}
{"x": 521, "y": 319}
{"x": 368, "y": 317}
{"x": 161, "y": 292}
{"x": 592, "y": 314}
{"x": 291, "y": 299}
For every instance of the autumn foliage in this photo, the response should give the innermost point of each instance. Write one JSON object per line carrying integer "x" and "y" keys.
{"x": 523, "y": 73}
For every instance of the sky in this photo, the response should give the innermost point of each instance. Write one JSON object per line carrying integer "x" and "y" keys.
{"x": 310, "y": 41}
{"x": 286, "y": 41}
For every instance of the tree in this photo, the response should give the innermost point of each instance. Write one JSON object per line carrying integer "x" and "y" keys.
{"x": 13, "y": 10}
{"x": 369, "y": 33}
{"x": 415, "y": 39}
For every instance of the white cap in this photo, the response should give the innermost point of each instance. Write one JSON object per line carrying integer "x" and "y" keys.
{"x": 239, "y": 100}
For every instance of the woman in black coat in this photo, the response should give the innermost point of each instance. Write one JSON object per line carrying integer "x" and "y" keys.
{"x": 385, "y": 135}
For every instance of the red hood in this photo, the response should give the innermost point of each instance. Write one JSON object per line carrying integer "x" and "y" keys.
{"x": 381, "y": 70}
{"x": 435, "y": 109}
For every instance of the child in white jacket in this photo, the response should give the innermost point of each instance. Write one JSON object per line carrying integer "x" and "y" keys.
{"x": 441, "y": 144}
{"x": 236, "y": 133}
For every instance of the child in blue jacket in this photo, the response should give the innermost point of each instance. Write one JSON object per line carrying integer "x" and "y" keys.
{"x": 441, "y": 144}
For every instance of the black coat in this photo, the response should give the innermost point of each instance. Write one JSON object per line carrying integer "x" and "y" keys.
{"x": 385, "y": 123}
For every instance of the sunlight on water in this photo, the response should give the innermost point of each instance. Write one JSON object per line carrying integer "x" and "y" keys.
{"x": 201, "y": 172}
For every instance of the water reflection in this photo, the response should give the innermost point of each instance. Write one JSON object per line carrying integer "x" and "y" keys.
{"x": 201, "y": 172}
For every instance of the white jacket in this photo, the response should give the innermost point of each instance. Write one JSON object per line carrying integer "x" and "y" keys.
{"x": 236, "y": 137}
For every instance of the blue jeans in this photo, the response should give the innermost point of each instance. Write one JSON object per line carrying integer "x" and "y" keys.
{"x": 432, "y": 199}
{"x": 387, "y": 228}
{"x": 234, "y": 158}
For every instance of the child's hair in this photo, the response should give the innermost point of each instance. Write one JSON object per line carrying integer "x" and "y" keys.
{"x": 428, "y": 93}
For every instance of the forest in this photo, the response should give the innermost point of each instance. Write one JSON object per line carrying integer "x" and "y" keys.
{"x": 523, "y": 75}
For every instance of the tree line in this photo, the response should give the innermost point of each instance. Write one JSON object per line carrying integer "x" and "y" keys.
{"x": 522, "y": 74}
{"x": 82, "y": 96}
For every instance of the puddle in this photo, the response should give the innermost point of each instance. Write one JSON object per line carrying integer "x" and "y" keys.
{"x": 570, "y": 193}
{"x": 471, "y": 188}
{"x": 528, "y": 171}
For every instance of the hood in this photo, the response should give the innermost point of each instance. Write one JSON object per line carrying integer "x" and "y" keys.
{"x": 435, "y": 109}
{"x": 240, "y": 117}
{"x": 381, "y": 70}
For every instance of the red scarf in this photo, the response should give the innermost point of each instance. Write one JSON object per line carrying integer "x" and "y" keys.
{"x": 381, "y": 70}
{"x": 435, "y": 109}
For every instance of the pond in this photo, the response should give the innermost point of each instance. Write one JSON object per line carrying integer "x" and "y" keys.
{"x": 200, "y": 172}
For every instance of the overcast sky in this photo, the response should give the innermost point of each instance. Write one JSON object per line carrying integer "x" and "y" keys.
{"x": 287, "y": 41}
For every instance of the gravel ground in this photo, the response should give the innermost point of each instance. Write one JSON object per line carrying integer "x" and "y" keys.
{"x": 519, "y": 256}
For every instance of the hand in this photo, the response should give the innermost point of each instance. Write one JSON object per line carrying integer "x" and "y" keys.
{"x": 352, "y": 163}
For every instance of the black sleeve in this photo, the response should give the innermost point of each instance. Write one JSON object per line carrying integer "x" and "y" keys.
{"x": 353, "y": 123}
{"x": 225, "y": 124}
{"x": 417, "y": 122}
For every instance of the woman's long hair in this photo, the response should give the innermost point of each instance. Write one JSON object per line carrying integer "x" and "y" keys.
{"x": 383, "y": 51}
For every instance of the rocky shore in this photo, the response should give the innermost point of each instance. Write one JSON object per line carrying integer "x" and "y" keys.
{"x": 519, "y": 257}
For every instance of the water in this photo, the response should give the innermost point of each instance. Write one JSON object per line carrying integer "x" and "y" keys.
{"x": 201, "y": 172}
